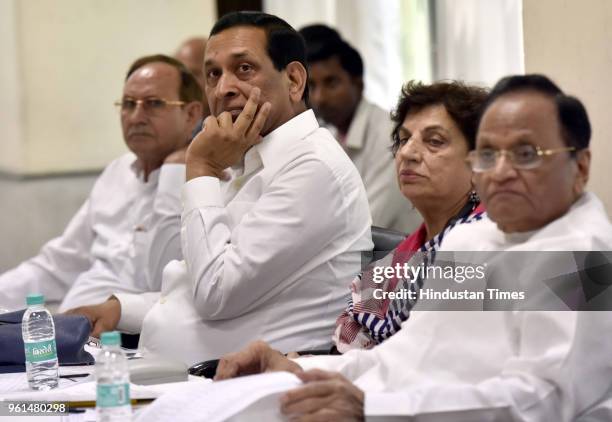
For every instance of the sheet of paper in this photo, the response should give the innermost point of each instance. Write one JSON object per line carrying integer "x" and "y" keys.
{"x": 221, "y": 401}
{"x": 86, "y": 391}
{"x": 18, "y": 383}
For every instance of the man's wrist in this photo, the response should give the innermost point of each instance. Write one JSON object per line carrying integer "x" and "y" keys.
{"x": 200, "y": 169}
{"x": 115, "y": 303}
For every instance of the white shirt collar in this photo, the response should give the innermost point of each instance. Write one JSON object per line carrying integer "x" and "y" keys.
{"x": 357, "y": 129}
{"x": 137, "y": 170}
{"x": 355, "y": 136}
{"x": 275, "y": 143}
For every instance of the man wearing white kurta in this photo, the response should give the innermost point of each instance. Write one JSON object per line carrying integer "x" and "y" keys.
{"x": 261, "y": 272}
{"x": 273, "y": 228}
{"x": 128, "y": 228}
{"x": 367, "y": 145}
{"x": 476, "y": 370}
{"x": 335, "y": 80}
{"x": 531, "y": 165}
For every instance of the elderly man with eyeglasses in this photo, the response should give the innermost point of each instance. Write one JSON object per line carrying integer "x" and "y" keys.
{"x": 531, "y": 166}
{"x": 128, "y": 229}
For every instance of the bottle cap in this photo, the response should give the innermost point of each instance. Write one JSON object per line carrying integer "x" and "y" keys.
{"x": 35, "y": 299}
{"x": 110, "y": 338}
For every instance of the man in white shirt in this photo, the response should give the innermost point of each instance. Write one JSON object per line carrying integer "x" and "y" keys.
{"x": 531, "y": 165}
{"x": 335, "y": 83}
{"x": 128, "y": 229}
{"x": 275, "y": 217}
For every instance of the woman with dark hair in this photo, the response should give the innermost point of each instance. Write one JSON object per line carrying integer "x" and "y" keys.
{"x": 435, "y": 128}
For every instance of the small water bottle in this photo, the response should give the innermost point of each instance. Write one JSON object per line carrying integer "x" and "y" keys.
{"x": 38, "y": 333}
{"x": 113, "y": 380}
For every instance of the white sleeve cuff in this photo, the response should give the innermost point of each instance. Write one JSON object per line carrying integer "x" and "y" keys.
{"x": 134, "y": 308}
{"x": 201, "y": 192}
{"x": 171, "y": 178}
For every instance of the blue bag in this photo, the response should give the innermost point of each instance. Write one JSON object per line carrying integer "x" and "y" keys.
{"x": 71, "y": 334}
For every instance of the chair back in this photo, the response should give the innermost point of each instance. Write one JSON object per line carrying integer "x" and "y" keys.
{"x": 385, "y": 240}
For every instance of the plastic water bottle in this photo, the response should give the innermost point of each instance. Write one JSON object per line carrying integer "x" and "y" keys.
{"x": 38, "y": 333}
{"x": 113, "y": 380}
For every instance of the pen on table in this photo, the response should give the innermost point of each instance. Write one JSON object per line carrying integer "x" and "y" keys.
{"x": 80, "y": 406}
{"x": 74, "y": 375}
{"x": 87, "y": 404}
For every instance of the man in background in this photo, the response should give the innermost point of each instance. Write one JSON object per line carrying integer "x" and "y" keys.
{"x": 191, "y": 54}
{"x": 335, "y": 83}
{"x": 128, "y": 229}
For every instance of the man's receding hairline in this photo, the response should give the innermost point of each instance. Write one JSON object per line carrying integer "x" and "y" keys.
{"x": 177, "y": 73}
{"x": 526, "y": 91}
{"x": 530, "y": 91}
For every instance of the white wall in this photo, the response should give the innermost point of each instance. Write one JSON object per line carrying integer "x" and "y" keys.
{"x": 478, "y": 41}
{"x": 63, "y": 62}
{"x": 373, "y": 27}
{"x": 571, "y": 42}
{"x": 63, "y": 67}
{"x": 12, "y": 154}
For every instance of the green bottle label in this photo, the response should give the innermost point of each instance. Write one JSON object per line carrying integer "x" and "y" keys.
{"x": 40, "y": 351}
{"x": 112, "y": 395}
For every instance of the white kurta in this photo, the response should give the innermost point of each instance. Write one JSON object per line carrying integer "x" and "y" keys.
{"x": 493, "y": 366}
{"x": 368, "y": 145}
{"x": 268, "y": 254}
{"x": 119, "y": 241}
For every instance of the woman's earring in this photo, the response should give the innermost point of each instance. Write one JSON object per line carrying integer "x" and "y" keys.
{"x": 474, "y": 198}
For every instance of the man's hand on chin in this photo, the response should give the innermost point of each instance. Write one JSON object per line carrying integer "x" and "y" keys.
{"x": 222, "y": 143}
{"x": 256, "y": 358}
{"x": 103, "y": 317}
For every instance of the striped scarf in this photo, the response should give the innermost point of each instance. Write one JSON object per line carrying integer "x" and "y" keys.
{"x": 368, "y": 321}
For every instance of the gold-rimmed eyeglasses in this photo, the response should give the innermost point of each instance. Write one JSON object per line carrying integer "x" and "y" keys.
{"x": 522, "y": 157}
{"x": 149, "y": 105}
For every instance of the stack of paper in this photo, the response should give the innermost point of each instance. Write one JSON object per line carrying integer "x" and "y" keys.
{"x": 242, "y": 399}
